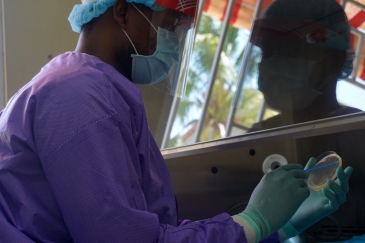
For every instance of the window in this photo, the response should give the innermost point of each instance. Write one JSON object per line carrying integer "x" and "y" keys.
{"x": 222, "y": 97}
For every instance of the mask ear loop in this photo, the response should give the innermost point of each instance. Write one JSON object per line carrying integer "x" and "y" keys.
{"x": 148, "y": 22}
{"x": 144, "y": 17}
{"x": 130, "y": 41}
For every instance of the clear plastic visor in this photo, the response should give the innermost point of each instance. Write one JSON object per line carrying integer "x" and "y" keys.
{"x": 289, "y": 29}
{"x": 177, "y": 47}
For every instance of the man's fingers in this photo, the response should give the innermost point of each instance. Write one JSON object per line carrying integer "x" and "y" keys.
{"x": 329, "y": 194}
{"x": 338, "y": 191}
{"x": 343, "y": 177}
{"x": 348, "y": 171}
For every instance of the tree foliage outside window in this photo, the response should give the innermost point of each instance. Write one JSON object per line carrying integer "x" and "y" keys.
{"x": 190, "y": 108}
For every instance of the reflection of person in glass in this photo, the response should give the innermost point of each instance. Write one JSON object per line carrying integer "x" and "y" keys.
{"x": 305, "y": 51}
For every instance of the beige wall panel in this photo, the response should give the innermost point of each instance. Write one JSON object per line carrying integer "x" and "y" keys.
{"x": 35, "y": 31}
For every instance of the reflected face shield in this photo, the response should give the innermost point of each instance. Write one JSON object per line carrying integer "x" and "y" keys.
{"x": 288, "y": 29}
{"x": 298, "y": 59}
{"x": 172, "y": 36}
{"x": 310, "y": 33}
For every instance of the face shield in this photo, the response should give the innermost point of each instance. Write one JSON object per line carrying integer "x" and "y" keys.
{"x": 171, "y": 41}
{"x": 300, "y": 53}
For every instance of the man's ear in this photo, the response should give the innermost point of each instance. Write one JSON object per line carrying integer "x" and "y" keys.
{"x": 120, "y": 10}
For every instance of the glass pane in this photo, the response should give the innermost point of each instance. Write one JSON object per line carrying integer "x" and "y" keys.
{"x": 296, "y": 66}
{"x": 305, "y": 70}
{"x": 190, "y": 107}
{"x": 225, "y": 84}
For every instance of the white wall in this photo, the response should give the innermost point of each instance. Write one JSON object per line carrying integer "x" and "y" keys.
{"x": 35, "y": 30}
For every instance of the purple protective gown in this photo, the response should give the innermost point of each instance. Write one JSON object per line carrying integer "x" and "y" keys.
{"x": 79, "y": 164}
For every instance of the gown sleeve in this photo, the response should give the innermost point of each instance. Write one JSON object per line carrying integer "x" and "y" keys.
{"x": 217, "y": 229}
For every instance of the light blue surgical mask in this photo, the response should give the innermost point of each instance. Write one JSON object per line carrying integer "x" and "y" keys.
{"x": 152, "y": 69}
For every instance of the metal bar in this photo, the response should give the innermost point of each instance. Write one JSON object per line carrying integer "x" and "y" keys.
{"x": 214, "y": 69}
{"x": 356, "y": 31}
{"x": 261, "y": 112}
{"x": 296, "y": 131}
{"x": 245, "y": 66}
{"x": 200, "y": 12}
{"x": 170, "y": 122}
{"x": 238, "y": 94}
{"x": 358, "y": 57}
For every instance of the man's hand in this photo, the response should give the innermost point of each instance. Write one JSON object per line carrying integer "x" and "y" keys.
{"x": 320, "y": 203}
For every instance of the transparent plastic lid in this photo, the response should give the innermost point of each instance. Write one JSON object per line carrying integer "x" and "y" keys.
{"x": 324, "y": 170}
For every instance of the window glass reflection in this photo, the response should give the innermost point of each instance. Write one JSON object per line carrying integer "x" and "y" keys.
{"x": 300, "y": 68}
{"x": 305, "y": 51}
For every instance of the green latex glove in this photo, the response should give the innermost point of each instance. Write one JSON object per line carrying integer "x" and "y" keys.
{"x": 320, "y": 203}
{"x": 275, "y": 199}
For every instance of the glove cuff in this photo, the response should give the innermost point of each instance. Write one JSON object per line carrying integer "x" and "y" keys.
{"x": 289, "y": 230}
{"x": 258, "y": 222}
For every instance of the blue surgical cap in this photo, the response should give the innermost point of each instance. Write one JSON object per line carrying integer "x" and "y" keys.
{"x": 90, "y": 9}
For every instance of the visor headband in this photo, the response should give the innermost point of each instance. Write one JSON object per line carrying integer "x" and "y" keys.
{"x": 188, "y": 7}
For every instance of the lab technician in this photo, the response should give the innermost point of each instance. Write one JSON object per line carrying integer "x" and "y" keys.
{"x": 79, "y": 164}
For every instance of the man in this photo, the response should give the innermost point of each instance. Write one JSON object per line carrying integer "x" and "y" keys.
{"x": 79, "y": 164}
